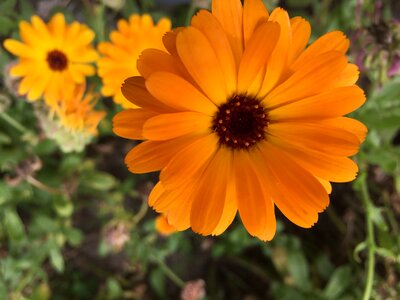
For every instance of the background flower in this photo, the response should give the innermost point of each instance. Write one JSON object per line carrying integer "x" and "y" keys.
{"x": 120, "y": 55}
{"x": 73, "y": 122}
{"x": 53, "y": 58}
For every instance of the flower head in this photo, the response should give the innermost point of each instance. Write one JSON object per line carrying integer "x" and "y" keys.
{"x": 77, "y": 113}
{"x": 73, "y": 122}
{"x": 121, "y": 54}
{"x": 53, "y": 58}
{"x": 240, "y": 116}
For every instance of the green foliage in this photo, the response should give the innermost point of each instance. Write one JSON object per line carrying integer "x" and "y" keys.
{"x": 76, "y": 225}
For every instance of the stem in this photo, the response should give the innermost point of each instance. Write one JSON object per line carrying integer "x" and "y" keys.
{"x": 141, "y": 213}
{"x": 14, "y": 123}
{"x": 40, "y": 185}
{"x": 168, "y": 271}
{"x": 365, "y": 196}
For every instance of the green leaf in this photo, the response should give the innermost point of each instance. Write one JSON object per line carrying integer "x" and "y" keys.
{"x": 4, "y": 139}
{"x": 386, "y": 253}
{"x": 13, "y": 224}
{"x": 74, "y": 236}
{"x": 6, "y": 25}
{"x": 27, "y": 9}
{"x": 99, "y": 181}
{"x": 157, "y": 282}
{"x": 7, "y": 6}
{"x": 360, "y": 247}
{"x": 377, "y": 218}
{"x": 339, "y": 282}
{"x": 298, "y": 268}
{"x": 63, "y": 206}
{"x": 5, "y": 192}
{"x": 131, "y": 7}
{"x": 114, "y": 289}
{"x": 56, "y": 258}
{"x": 3, "y": 290}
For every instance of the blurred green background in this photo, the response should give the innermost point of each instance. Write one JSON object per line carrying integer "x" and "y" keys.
{"x": 77, "y": 226}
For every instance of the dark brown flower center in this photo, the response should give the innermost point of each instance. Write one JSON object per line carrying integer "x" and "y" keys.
{"x": 57, "y": 60}
{"x": 240, "y": 122}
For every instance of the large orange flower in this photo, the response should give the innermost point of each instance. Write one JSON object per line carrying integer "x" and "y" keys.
{"x": 54, "y": 58}
{"x": 240, "y": 116}
{"x": 121, "y": 54}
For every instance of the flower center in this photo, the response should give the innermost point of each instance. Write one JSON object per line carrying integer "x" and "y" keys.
{"x": 240, "y": 122}
{"x": 57, "y": 60}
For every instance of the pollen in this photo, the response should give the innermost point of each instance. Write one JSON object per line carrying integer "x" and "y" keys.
{"x": 241, "y": 122}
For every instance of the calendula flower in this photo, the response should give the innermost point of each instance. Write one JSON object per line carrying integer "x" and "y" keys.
{"x": 77, "y": 114}
{"x": 53, "y": 58}
{"x": 73, "y": 122}
{"x": 239, "y": 115}
{"x": 163, "y": 227}
{"x": 121, "y": 54}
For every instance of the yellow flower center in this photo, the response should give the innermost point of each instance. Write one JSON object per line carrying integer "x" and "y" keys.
{"x": 57, "y": 60}
{"x": 240, "y": 122}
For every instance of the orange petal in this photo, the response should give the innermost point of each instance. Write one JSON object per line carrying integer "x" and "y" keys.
{"x": 209, "y": 198}
{"x": 188, "y": 161}
{"x": 254, "y": 14}
{"x": 254, "y": 203}
{"x": 230, "y": 207}
{"x": 327, "y": 139}
{"x": 313, "y": 78}
{"x": 154, "y": 60}
{"x": 296, "y": 192}
{"x": 169, "y": 41}
{"x": 20, "y": 49}
{"x": 213, "y": 31}
{"x": 169, "y": 126}
{"x": 255, "y": 56}
{"x": 332, "y": 41}
{"x": 230, "y": 13}
{"x": 278, "y": 60}
{"x": 347, "y": 77}
{"x": 129, "y": 123}
{"x": 301, "y": 32}
{"x": 176, "y": 92}
{"x": 348, "y": 124}
{"x": 135, "y": 91}
{"x": 329, "y": 167}
{"x": 309, "y": 191}
{"x": 150, "y": 156}
{"x": 156, "y": 193}
{"x": 163, "y": 227}
{"x": 334, "y": 103}
{"x": 199, "y": 58}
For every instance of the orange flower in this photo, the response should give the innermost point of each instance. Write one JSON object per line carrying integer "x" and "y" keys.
{"x": 77, "y": 113}
{"x": 121, "y": 54}
{"x": 240, "y": 116}
{"x": 163, "y": 227}
{"x": 54, "y": 57}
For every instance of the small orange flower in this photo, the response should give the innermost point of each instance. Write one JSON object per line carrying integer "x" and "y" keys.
{"x": 121, "y": 54}
{"x": 77, "y": 113}
{"x": 53, "y": 58}
{"x": 239, "y": 115}
{"x": 163, "y": 227}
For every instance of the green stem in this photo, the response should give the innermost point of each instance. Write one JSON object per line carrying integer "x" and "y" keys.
{"x": 14, "y": 123}
{"x": 365, "y": 196}
{"x": 168, "y": 271}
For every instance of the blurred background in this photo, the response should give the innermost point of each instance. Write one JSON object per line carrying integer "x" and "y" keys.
{"x": 76, "y": 225}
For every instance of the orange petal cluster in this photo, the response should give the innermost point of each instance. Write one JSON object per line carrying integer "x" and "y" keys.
{"x": 121, "y": 53}
{"x": 240, "y": 115}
